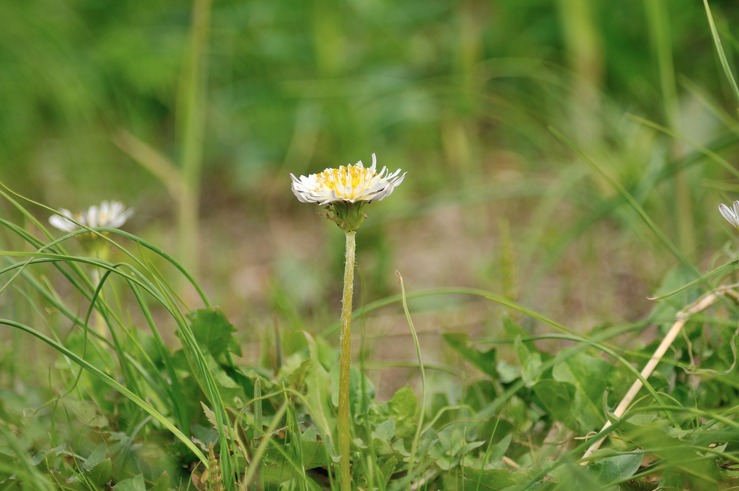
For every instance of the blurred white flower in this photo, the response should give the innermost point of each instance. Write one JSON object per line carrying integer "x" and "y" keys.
{"x": 111, "y": 214}
{"x": 348, "y": 183}
{"x": 731, "y": 214}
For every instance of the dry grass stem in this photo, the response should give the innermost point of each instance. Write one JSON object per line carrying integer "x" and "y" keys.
{"x": 681, "y": 318}
{"x": 152, "y": 160}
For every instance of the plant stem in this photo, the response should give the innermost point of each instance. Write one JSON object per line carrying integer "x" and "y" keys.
{"x": 419, "y": 424}
{"x": 191, "y": 104}
{"x": 658, "y": 15}
{"x": 344, "y": 420}
{"x": 584, "y": 45}
{"x": 680, "y": 319}
{"x": 99, "y": 249}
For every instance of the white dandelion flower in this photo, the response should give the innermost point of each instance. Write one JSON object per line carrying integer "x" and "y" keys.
{"x": 349, "y": 183}
{"x": 112, "y": 214}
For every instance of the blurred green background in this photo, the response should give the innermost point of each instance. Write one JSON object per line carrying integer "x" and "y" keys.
{"x": 467, "y": 96}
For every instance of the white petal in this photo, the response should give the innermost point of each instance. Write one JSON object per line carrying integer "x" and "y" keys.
{"x": 108, "y": 214}
{"x": 729, "y": 215}
{"x": 350, "y": 183}
{"x": 62, "y": 222}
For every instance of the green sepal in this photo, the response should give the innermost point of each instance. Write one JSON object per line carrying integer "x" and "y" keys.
{"x": 347, "y": 215}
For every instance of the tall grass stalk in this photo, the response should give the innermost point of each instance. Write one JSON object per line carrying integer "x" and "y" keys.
{"x": 183, "y": 183}
{"x": 722, "y": 54}
{"x": 585, "y": 53}
{"x": 458, "y": 130}
{"x": 422, "y": 413}
{"x": 192, "y": 97}
{"x": 659, "y": 22}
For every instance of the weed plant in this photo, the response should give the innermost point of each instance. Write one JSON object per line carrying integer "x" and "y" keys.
{"x": 117, "y": 371}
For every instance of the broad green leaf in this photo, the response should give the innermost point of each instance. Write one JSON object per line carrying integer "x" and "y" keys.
{"x": 478, "y": 393}
{"x": 404, "y": 407}
{"x": 404, "y": 403}
{"x": 452, "y": 447}
{"x": 589, "y": 376}
{"x": 214, "y": 332}
{"x": 98, "y": 468}
{"x": 101, "y": 472}
{"x": 508, "y": 373}
{"x": 295, "y": 371}
{"x": 318, "y": 388}
{"x": 664, "y": 311}
{"x": 444, "y": 462}
{"x": 381, "y": 446}
{"x": 557, "y": 398}
{"x": 512, "y": 329}
{"x": 489, "y": 478}
{"x": 571, "y": 475}
{"x": 97, "y": 455}
{"x": 387, "y": 469}
{"x": 204, "y": 434}
{"x": 530, "y": 362}
{"x": 309, "y": 435}
{"x": 385, "y": 430}
{"x": 498, "y": 450}
{"x": 517, "y": 412}
{"x": 588, "y": 373}
{"x": 132, "y": 484}
{"x": 484, "y": 360}
{"x": 278, "y": 466}
{"x": 608, "y": 470}
{"x": 86, "y": 412}
{"x": 163, "y": 483}
{"x": 677, "y": 455}
{"x": 228, "y": 388}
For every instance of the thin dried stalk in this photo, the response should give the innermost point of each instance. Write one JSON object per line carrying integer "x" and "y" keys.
{"x": 680, "y": 319}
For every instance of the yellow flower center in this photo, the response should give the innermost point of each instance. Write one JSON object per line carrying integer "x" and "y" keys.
{"x": 348, "y": 181}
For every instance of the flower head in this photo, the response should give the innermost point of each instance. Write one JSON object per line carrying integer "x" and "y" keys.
{"x": 109, "y": 214}
{"x": 731, "y": 214}
{"x": 349, "y": 183}
{"x": 344, "y": 191}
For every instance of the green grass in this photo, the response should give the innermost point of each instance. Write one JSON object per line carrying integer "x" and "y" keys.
{"x": 559, "y": 215}
{"x": 121, "y": 405}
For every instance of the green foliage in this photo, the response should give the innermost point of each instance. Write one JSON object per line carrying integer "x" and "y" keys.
{"x": 214, "y": 333}
{"x": 601, "y": 135}
{"x": 478, "y": 438}
{"x": 483, "y": 361}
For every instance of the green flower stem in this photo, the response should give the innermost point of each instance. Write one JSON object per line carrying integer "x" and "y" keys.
{"x": 99, "y": 249}
{"x": 344, "y": 420}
